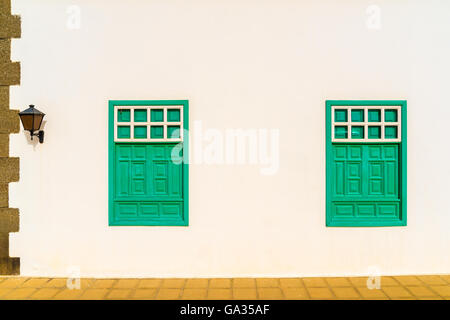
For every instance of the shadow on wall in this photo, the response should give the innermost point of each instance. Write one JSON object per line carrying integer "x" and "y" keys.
{"x": 35, "y": 140}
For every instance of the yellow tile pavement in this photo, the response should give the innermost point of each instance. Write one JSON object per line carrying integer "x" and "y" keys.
{"x": 244, "y": 283}
{"x": 244, "y": 293}
{"x": 220, "y": 283}
{"x": 219, "y": 294}
{"x": 355, "y": 288}
{"x": 194, "y": 294}
{"x": 196, "y": 283}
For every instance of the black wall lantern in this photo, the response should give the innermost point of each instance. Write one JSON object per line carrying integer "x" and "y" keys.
{"x": 31, "y": 120}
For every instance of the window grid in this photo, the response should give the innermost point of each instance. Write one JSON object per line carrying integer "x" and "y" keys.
{"x": 131, "y": 124}
{"x": 366, "y": 124}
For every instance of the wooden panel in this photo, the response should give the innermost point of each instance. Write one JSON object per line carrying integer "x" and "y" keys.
{"x": 366, "y": 182}
{"x": 148, "y": 185}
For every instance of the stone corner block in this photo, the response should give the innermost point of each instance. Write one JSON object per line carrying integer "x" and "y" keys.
{"x": 9, "y": 220}
{"x": 10, "y": 26}
{"x": 9, "y": 170}
{"x": 9, "y": 73}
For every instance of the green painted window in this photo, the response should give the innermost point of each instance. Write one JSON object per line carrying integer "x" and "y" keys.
{"x": 148, "y": 177}
{"x": 366, "y": 163}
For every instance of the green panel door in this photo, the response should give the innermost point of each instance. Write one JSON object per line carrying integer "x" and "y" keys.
{"x": 148, "y": 179}
{"x": 366, "y": 173}
{"x": 366, "y": 182}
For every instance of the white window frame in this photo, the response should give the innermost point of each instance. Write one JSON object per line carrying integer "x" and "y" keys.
{"x": 366, "y": 124}
{"x": 148, "y": 123}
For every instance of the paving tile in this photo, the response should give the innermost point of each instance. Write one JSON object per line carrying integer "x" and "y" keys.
{"x": 389, "y": 282}
{"x": 68, "y": 294}
{"x": 220, "y": 283}
{"x": 173, "y": 283}
{"x": 196, "y": 283}
{"x": 270, "y": 294}
{"x": 94, "y": 294}
{"x": 409, "y": 280}
{"x": 421, "y": 292}
{"x": 194, "y": 294}
{"x": 372, "y": 294}
{"x": 144, "y": 294}
{"x": 86, "y": 283}
{"x": 291, "y": 283}
{"x": 219, "y": 294}
{"x": 320, "y": 293}
{"x": 34, "y": 283}
{"x": 338, "y": 282}
{"x": 126, "y": 283}
{"x": 119, "y": 294}
{"x": 359, "y": 281}
{"x": 346, "y": 293}
{"x": 244, "y": 283}
{"x": 103, "y": 283}
{"x": 443, "y": 291}
{"x": 150, "y": 283}
{"x": 295, "y": 293}
{"x": 4, "y": 291}
{"x": 18, "y": 294}
{"x": 396, "y": 292}
{"x": 432, "y": 280}
{"x": 168, "y": 294}
{"x": 12, "y": 282}
{"x": 244, "y": 294}
{"x": 315, "y": 282}
{"x": 56, "y": 283}
{"x": 44, "y": 293}
{"x": 267, "y": 283}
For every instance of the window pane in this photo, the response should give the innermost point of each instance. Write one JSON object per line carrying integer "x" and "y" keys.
{"x": 340, "y": 115}
{"x": 340, "y": 132}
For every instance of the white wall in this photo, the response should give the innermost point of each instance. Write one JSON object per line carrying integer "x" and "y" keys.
{"x": 241, "y": 64}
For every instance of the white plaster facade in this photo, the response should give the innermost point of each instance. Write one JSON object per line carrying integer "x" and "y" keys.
{"x": 241, "y": 64}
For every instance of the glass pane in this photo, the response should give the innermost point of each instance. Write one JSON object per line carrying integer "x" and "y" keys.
{"x": 390, "y": 116}
{"x": 357, "y": 132}
{"x": 140, "y": 115}
{"x": 374, "y": 115}
{"x": 123, "y": 132}
{"x": 124, "y": 115}
{"x": 157, "y": 115}
{"x": 27, "y": 121}
{"x": 358, "y": 115}
{"x": 140, "y": 132}
{"x": 374, "y": 132}
{"x": 390, "y": 132}
{"x": 173, "y": 115}
{"x": 173, "y": 132}
{"x": 157, "y": 132}
{"x": 340, "y": 115}
{"x": 340, "y": 132}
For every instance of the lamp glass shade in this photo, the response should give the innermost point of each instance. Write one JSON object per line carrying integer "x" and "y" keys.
{"x": 31, "y": 119}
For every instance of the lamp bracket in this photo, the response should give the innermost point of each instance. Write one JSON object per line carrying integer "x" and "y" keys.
{"x": 39, "y": 134}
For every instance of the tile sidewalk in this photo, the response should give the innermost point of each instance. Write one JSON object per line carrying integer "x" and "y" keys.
{"x": 435, "y": 287}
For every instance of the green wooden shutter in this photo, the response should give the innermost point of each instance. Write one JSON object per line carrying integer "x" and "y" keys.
{"x": 148, "y": 181}
{"x": 366, "y": 163}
